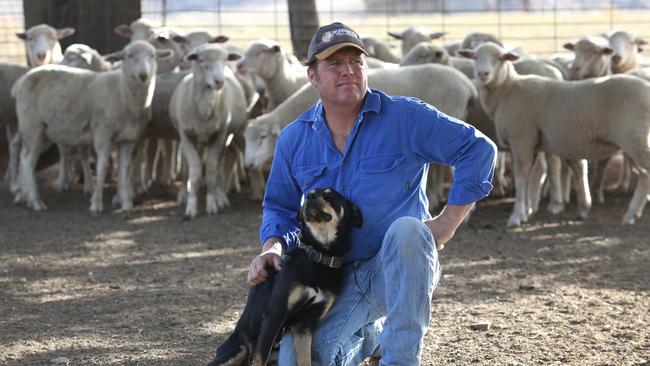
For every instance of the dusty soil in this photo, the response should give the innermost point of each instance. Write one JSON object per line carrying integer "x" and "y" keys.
{"x": 154, "y": 290}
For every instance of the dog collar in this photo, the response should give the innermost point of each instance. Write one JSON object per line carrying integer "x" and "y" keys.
{"x": 318, "y": 257}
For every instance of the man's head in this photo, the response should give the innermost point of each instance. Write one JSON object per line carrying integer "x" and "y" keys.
{"x": 337, "y": 67}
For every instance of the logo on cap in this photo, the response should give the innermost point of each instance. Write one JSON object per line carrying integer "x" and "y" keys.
{"x": 327, "y": 36}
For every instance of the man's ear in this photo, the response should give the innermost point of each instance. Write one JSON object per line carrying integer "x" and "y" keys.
{"x": 357, "y": 219}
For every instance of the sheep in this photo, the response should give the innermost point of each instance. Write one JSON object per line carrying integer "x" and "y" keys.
{"x": 572, "y": 120}
{"x": 81, "y": 56}
{"x": 412, "y": 36}
{"x": 426, "y": 52}
{"x": 452, "y": 95}
{"x": 140, "y": 29}
{"x": 379, "y": 50}
{"x": 75, "y": 110}
{"x": 266, "y": 59}
{"x": 592, "y": 57}
{"x": 43, "y": 45}
{"x": 626, "y": 49}
{"x": 9, "y": 73}
{"x": 205, "y": 108}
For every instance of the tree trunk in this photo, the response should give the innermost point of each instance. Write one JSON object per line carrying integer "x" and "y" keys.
{"x": 303, "y": 19}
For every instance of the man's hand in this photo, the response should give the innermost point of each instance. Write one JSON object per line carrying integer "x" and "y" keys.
{"x": 444, "y": 225}
{"x": 271, "y": 255}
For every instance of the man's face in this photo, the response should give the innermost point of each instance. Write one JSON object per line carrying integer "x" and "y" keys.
{"x": 341, "y": 79}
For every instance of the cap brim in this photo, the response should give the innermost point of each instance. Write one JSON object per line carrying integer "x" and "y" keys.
{"x": 331, "y": 50}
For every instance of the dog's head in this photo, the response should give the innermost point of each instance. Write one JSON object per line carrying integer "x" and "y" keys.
{"x": 326, "y": 218}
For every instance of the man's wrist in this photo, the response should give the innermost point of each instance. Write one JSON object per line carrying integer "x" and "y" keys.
{"x": 273, "y": 245}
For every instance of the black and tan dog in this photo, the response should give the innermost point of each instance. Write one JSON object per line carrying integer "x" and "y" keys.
{"x": 298, "y": 296}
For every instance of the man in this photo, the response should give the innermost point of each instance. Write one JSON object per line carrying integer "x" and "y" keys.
{"x": 375, "y": 150}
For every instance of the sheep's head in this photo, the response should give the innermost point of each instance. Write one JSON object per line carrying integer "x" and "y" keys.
{"x": 625, "y": 49}
{"x": 140, "y": 30}
{"x": 43, "y": 43}
{"x": 425, "y": 53}
{"x": 473, "y": 40}
{"x": 412, "y": 36}
{"x": 139, "y": 60}
{"x": 261, "y": 135}
{"x": 209, "y": 64}
{"x": 591, "y": 57}
{"x": 195, "y": 39}
{"x": 263, "y": 58}
{"x": 492, "y": 64}
{"x": 162, "y": 39}
{"x": 81, "y": 56}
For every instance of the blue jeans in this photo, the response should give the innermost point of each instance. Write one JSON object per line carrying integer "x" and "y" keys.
{"x": 385, "y": 300}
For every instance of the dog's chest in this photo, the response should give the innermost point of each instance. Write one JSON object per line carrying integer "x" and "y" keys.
{"x": 314, "y": 300}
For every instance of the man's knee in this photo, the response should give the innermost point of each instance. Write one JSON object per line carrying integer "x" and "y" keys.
{"x": 408, "y": 229}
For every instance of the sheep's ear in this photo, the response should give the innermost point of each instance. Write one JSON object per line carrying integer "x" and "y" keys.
{"x": 234, "y": 56}
{"x": 639, "y": 49}
{"x": 87, "y": 57}
{"x": 607, "y": 51}
{"x": 115, "y": 56}
{"x": 179, "y": 39}
{"x": 64, "y": 32}
{"x": 438, "y": 54}
{"x": 275, "y": 49}
{"x": 436, "y": 35}
{"x": 467, "y": 53}
{"x": 219, "y": 39}
{"x": 394, "y": 35}
{"x": 569, "y": 46}
{"x": 165, "y": 54}
{"x": 22, "y": 35}
{"x": 191, "y": 57}
{"x": 123, "y": 30}
{"x": 640, "y": 42}
{"x": 510, "y": 57}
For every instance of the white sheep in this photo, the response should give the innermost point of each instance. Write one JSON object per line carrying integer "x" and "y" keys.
{"x": 9, "y": 73}
{"x": 206, "y": 107}
{"x": 452, "y": 95}
{"x": 379, "y": 50}
{"x": 81, "y": 107}
{"x": 84, "y": 57}
{"x": 43, "y": 45}
{"x": 266, "y": 59}
{"x": 626, "y": 51}
{"x": 592, "y": 57}
{"x": 140, "y": 29}
{"x": 427, "y": 52}
{"x": 572, "y": 120}
{"x": 412, "y": 36}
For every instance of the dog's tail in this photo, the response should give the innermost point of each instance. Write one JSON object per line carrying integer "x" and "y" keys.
{"x": 232, "y": 352}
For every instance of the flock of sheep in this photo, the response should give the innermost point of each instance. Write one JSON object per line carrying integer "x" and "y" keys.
{"x": 169, "y": 94}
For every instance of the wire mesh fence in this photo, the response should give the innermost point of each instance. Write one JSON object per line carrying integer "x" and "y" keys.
{"x": 540, "y": 26}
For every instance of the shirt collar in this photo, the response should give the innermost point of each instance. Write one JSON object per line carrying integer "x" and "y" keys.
{"x": 372, "y": 103}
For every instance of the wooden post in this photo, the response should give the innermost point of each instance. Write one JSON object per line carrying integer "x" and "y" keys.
{"x": 303, "y": 20}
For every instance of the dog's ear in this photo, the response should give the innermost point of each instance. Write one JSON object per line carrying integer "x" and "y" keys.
{"x": 357, "y": 219}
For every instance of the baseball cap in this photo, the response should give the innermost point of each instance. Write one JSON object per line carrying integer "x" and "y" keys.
{"x": 331, "y": 38}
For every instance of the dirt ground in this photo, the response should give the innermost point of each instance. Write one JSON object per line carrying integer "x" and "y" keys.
{"x": 155, "y": 290}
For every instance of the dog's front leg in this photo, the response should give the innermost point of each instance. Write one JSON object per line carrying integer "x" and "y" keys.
{"x": 272, "y": 323}
{"x": 302, "y": 346}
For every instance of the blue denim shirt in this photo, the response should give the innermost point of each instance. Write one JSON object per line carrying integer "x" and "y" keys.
{"x": 383, "y": 168}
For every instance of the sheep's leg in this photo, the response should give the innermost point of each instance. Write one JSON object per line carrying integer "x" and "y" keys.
{"x": 579, "y": 168}
{"x": 194, "y": 165}
{"x": 434, "y": 181}
{"x": 597, "y": 179}
{"x": 29, "y": 189}
{"x": 567, "y": 176}
{"x": 257, "y": 183}
{"x": 102, "y": 150}
{"x": 639, "y": 199}
{"x": 89, "y": 185}
{"x": 627, "y": 177}
{"x": 14, "y": 158}
{"x": 62, "y": 179}
{"x": 216, "y": 197}
{"x": 500, "y": 182}
{"x": 536, "y": 180}
{"x": 556, "y": 203}
{"x": 522, "y": 163}
{"x": 126, "y": 157}
{"x": 10, "y": 137}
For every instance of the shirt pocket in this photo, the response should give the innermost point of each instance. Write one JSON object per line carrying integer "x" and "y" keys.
{"x": 309, "y": 176}
{"x": 381, "y": 177}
